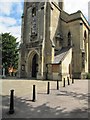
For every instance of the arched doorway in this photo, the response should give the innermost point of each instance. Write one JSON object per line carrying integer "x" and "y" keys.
{"x": 34, "y": 66}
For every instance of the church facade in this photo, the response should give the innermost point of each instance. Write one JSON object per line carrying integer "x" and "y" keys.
{"x": 54, "y": 44}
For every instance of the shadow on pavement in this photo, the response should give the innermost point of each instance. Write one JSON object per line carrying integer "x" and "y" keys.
{"x": 24, "y": 109}
{"x": 78, "y": 96}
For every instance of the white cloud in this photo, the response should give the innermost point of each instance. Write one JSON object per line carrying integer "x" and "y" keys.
{"x": 4, "y": 1}
{"x": 14, "y": 30}
{"x": 72, "y": 6}
{"x": 89, "y": 12}
{"x": 8, "y": 21}
{"x": 19, "y": 8}
{"x": 5, "y": 8}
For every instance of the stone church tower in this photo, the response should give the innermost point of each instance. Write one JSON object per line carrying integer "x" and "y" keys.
{"x": 49, "y": 38}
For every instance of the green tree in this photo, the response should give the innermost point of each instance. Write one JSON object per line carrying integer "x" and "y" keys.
{"x": 9, "y": 51}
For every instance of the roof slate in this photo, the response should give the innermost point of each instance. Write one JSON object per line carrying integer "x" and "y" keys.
{"x": 60, "y": 55}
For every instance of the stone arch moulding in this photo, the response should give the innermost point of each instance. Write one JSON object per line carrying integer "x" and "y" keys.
{"x": 30, "y": 57}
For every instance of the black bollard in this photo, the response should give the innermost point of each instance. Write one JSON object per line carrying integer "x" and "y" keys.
{"x": 64, "y": 82}
{"x": 11, "y": 109}
{"x": 68, "y": 80}
{"x": 34, "y": 94}
{"x": 48, "y": 87}
{"x": 57, "y": 85}
{"x": 72, "y": 80}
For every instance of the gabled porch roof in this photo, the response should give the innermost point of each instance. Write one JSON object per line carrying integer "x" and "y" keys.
{"x": 60, "y": 55}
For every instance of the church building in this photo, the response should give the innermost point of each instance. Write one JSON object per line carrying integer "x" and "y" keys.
{"x": 54, "y": 44}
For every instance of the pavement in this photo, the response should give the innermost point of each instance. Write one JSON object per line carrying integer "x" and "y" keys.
{"x": 70, "y": 101}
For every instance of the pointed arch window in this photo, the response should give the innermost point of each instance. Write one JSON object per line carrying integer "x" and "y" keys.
{"x": 83, "y": 60}
{"x": 85, "y": 35}
{"x": 33, "y": 11}
{"x": 69, "y": 39}
{"x": 85, "y": 44}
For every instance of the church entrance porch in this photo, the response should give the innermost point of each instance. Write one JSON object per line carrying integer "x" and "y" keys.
{"x": 32, "y": 65}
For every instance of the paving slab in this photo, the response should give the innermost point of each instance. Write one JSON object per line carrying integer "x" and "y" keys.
{"x": 68, "y": 102}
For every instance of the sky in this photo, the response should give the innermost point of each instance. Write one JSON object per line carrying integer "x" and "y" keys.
{"x": 11, "y": 12}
